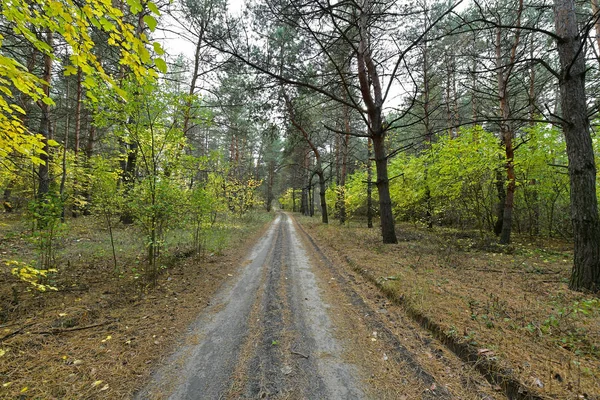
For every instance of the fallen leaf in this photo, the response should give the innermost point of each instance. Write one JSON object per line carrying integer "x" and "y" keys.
{"x": 96, "y": 383}
{"x": 2, "y": 352}
{"x": 7, "y": 384}
{"x": 107, "y": 338}
{"x": 105, "y": 387}
{"x": 485, "y": 352}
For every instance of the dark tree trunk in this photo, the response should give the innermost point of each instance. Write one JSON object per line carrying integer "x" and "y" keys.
{"x": 386, "y": 216}
{"x": 312, "y": 202}
{"x": 304, "y": 201}
{"x": 6, "y": 198}
{"x": 369, "y": 185}
{"x": 368, "y": 78}
{"x": 293, "y": 200}
{"x": 128, "y": 176}
{"x": 501, "y": 193}
{"x": 510, "y": 196}
{"x": 582, "y": 169}
{"x": 324, "y": 217}
{"x": 270, "y": 180}
{"x": 344, "y": 168}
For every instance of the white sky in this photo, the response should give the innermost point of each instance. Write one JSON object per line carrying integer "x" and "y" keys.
{"x": 174, "y": 44}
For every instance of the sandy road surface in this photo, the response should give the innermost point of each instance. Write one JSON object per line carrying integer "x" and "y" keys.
{"x": 292, "y": 324}
{"x": 267, "y": 335}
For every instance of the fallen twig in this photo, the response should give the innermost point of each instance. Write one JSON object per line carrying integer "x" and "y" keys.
{"x": 21, "y": 329}
{"x": 298, "y": 354}
{"x": 78, "y": 328}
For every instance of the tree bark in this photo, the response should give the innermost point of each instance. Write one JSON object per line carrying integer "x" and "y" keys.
{"x": 506, "y": 128}
{"x": 368, "y": 77}
{"x": 321, "y": 175}
{"x": 582, "y": 169}
{"x": 369, "y": 185}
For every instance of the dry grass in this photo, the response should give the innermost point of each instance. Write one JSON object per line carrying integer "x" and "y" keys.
{"x": 100, "y": 335}
{"x": 511, "y": 303}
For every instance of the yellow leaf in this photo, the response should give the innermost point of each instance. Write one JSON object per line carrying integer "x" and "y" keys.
{"x": 7, "y": 384}
{"x": 2, "y": 352}
{"x": 96, "y": 383}
{"x": 24, "y": 389}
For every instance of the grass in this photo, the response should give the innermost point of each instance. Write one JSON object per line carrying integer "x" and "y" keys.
{"x": 101, "y": 333}
{"x": 510, "y": 303}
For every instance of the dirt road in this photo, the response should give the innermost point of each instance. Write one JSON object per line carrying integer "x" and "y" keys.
{"x": 290, "y": 327}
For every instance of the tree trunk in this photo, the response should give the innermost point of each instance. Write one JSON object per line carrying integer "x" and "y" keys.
{"x": 6, "y": 198}
{"x": 501, "y": 193}
{"x": 368, "y": 77}
{"x": 386, "y": 216}
{"x": 128, "y": 175}
{"x": 321, "y": 175}
{"x": 304, "y": 201}
{"x": 510, "y": 195}
{"x": 293, "y": 200}
{"x": 506, "y": 128}
{"x": 344, "y": 170}
{"x": 270, "y": 180}
{"x": 582, "y": 169}
{"x": 369, "y": 185}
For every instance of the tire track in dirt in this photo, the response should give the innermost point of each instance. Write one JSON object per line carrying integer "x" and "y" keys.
{"x": 265, "y": 380}
{"x": 400, "y": 353}
{"x": 511, "y": 389}
{"x": 267, "y": 335}
{"x": 202, "y": 366}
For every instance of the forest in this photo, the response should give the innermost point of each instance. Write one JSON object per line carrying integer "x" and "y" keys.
{"x": 145, "y": 144}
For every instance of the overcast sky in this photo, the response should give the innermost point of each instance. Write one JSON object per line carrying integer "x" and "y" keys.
{"x": 173, "y": 43}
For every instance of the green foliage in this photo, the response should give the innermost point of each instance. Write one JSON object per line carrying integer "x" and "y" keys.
{"x": 569, "y": 326}
{"x": 240, "y": 194}
{"x": 286, "y": 199}
{"x": 354, "y": 194}
{"x": 454, "y": 179}
{"x": 542, "y": 199}
{"x": 107, "y": 198}
{"x": 46, "y": 216}
{"x": 454, "y": 182}
{"x": 72, "y": 21}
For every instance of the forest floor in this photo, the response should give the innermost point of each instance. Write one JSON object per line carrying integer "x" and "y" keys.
{"x": 101, "y": 333}
{"x": 505, "y": 310}
{"x": 299, "y": 310}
